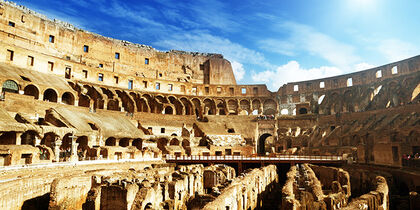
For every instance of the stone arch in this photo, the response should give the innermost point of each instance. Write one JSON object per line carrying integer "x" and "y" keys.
{"x": 49, "y": 139}
{"x": 10, "y": 86}
{"x": 150, "y": 102}
{"x": 188, "y": 106}
{"x": 126, "y": 101}
{"x": 124, "y": 142}
{"x": 29, "y": 137}
{"x": 50, "y": 95}
{"x": 262, "y": 143}
{"x": 162, "y": 143}
{"x": 111, "y": 141}
{"x": 232, "y": 106}
{"x": 209, "y": 106}
{"x": 67, "y": 98}
{"x": 113, "y": 104}
{"x": 348, "y": 99}
{"x": 83, "y": 142}
{"x": 66, "y": 142}
{"x": 174, "y": 142}
{"x": 138, "y": 143}
{"x": 245, "y": 105}
{"x": 84, "y": 101}
{"x": 31, "y": 90}
{"x": 256, "y": 105}
{"x": 334, "y": 100}
{"x": 143, "y": 105}
{"x": 269, "y": 107}
{"x": 221, "y": 106}
{"x": 168, "y": 110}
{"x": 197, "y": 107}
{"x": 177, "y": 105}
{"x": 8, "y": 138}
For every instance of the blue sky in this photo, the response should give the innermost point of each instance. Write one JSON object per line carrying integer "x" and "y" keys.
{"x": 270, "y": 42}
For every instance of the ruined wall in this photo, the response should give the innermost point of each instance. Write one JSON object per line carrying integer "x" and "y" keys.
{"x": 390, "y": 85}
{"x": 375, "y": 199}
{"x": 247, "y": 191}
{"x": 315, "y": 187}
{"x": 69, "y": 192}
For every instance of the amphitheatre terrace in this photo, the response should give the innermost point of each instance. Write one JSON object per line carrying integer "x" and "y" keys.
{"x": 90, "y": 122}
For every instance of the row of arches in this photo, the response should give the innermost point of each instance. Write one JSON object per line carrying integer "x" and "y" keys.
{"x": 110, "y": 99}
{"x": 48, "y": 94}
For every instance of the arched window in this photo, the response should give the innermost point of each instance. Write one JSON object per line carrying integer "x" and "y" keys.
{"x": 10, "y": 86}
{"x": 50, "y": 95}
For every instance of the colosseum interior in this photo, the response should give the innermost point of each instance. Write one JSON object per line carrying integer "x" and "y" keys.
{"x": 90, "y": 122}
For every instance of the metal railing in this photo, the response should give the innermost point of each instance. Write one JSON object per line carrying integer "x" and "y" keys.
{"x": 241, "y": 157}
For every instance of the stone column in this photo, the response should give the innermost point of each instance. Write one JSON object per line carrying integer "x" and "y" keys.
{"x": 18, "y": 138}
{"x": 57, "y": 144}
{"x": 74, "y": 157}
{"x": 37, "y": 141}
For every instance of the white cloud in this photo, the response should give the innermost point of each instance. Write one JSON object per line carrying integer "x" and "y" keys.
{"x": 395, "y": 49}
{"x": 363, "y": 66}
{"x": 238, "y": 70}
{"x": 305, "y": 39}
{"x": 204, "y": 42}
{"x": 293, "y": 72}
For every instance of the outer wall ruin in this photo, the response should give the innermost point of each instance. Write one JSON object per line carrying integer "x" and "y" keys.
{"x": 86, "y": 118}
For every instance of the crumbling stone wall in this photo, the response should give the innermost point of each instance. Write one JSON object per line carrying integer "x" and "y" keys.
{"x": 69, "y": 192}
{"x": 375, "y": 199}
{"x": 246, "y": 191}
{"x": 315, "y": 187}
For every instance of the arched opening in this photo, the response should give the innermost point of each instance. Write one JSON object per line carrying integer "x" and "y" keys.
{"x": 188, "y": 106}
{"x": 10, "y": 86}
{"x": 67, "y": 98}
{"x": 179, "y": 107}
{"x": 8, "y": 138}
{"x": 28, "y": 138}
{"x": 174, "y": 142}
{"x": 261, "y": 143}
{"x": 83, "y": 148}
{"x": 111, "y": 141}
{"x": 162, "y": 143}
{"x": 50, "y": 95}
{"x": 84, "y": 101}
{"x": 49, "y": 139}
{"x": 138, "y": 143}
{"x": 31, "y": 90}
{"x": 232, "y": 107}
{"x": 303, "y": 111}
{"x": 113, "y": 105}
{"x": 284, "y": 112}
{"x": 269, "y": 107}
{"x": 125, "y": 142}
{"x": 209, "y": 106}
{"x": 168, "y": 110}
{"x": 66, "y": 142}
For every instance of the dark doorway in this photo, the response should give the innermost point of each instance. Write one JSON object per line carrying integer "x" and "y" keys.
{"x": 261, "y": 143}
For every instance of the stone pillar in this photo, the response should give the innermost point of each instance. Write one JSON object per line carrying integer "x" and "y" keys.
{"x": 18, "y": 138}
{"x": 37, "y": 140}
{"x": 74, "y": 157}
{"x": 130, "y": 142}
{"x": 57, "y": 144}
